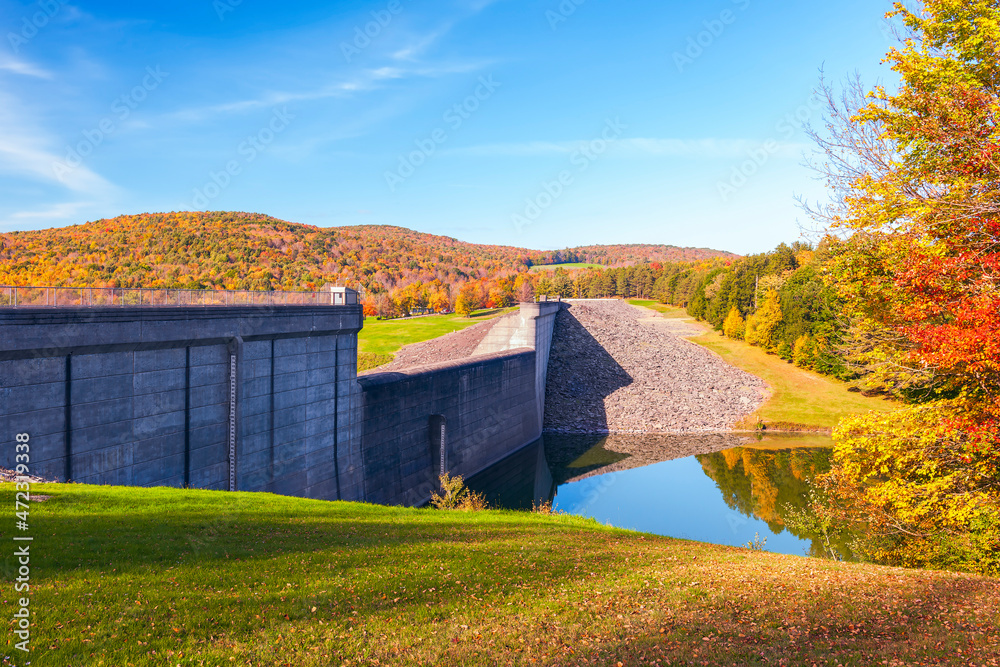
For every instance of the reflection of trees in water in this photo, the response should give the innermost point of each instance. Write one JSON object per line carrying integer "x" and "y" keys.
{"x": 575, "y": 457}
{"x": 771, "y": 484}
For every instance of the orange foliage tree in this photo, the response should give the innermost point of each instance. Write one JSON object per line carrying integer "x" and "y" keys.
{"x": 915, "y": 175}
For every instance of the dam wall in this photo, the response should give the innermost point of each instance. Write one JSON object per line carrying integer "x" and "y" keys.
{"x": 532, "y": 327}
{"x": 259, "y": 398}
{"x": 238, "y": 398}
{"x": 456, "y": 416}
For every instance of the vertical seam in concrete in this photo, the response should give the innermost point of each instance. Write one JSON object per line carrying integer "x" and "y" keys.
{"x": 68, "y": 417}
{"x": 187, "y": 417}
{"x": 336, "y": 412}
{"x": 270, "y": 471}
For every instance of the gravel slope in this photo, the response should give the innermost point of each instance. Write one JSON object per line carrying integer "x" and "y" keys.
{"x": 614, "y": 369}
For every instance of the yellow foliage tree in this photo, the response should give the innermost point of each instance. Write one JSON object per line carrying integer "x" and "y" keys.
{"x": 439, "y": 301}
{"x": 766, "y": 321}
{"x": 469, "y": 299}
{"x": 914, "y": 494}
{"x": 735, "y": 326}
{"x": 804, "y": 352}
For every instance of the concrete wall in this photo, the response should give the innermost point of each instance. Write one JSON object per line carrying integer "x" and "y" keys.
{"x": 145, "y": 396}
{"x": 298, "y": 398}
{"x": 493, "y": 404}
{"x": 260, "y": 399}
{"x": 488, "y": 405}
{"x": 531, "y": 326}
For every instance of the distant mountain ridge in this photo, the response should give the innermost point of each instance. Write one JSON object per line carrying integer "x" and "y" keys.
{"x": 203, "y": 250}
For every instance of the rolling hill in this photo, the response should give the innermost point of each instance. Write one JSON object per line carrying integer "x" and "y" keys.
{"x": 230, "y": 250}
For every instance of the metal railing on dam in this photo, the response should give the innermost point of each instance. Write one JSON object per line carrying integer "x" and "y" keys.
{"x": 129, "y": 297}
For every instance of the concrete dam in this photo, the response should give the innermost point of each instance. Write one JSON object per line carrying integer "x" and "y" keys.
{"x": 248, "y": 397}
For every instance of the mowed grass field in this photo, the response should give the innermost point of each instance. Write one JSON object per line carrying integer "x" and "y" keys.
{"x": 800, "y": 399}
{"x": 380, "y": 339}
{"x": 663, "y": 309}
{"x": 571, "y": 265}
{"x": 127, "y": 577}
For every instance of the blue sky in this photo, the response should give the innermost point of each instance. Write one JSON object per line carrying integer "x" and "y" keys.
{"x": 535, "y": 123}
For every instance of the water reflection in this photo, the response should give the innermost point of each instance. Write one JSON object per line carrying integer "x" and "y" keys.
{"x": 719, "y": 488}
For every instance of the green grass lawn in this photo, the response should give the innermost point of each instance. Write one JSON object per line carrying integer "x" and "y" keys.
{"x": 665, "y": 310}
{"x": 570, "y": 265}
{"x": 380, "y": 339}
{"x": 800, "y": 399}
{"x": 128, "y": 577}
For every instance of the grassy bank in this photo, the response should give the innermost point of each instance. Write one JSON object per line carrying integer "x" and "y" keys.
{"x": 380, "y": 339}
{"x": 667, "y": 311}
{"x": 569, "y": 265}
{"x": 130, "y": 577}
{"x": 800, "y": 399}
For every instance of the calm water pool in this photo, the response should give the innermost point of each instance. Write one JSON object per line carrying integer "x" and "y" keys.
{"x": 746, "y": 487}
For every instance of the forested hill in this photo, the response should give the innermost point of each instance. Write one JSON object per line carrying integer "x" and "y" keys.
{"x": 252, "y": 251}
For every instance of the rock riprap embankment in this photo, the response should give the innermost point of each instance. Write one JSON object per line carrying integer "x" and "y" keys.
{"x": 613, "y": 370}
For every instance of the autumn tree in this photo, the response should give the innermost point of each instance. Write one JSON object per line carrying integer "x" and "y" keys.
{"x": 383, "y": 305}
{"x": 524, "y": 289}
{"x": 469, "y": 299}
{"x": 439, "y": 301}
{"x": 499, "y": 298}
{"x": 915, "y": 175}
{"x": 734, "y": 326}
{"x": 762, "y": 327}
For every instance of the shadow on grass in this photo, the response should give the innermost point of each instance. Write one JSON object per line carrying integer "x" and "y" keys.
{"x": 117, "y": 579}
{"x": 215, "y": 562}
{"x": 103, "y": 529}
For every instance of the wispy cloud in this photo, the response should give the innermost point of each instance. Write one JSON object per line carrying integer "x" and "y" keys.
{"x": 62, "y": 211}
{"x": 21, "y": 155}
{"x": 639, "y": 146}
{"x": 420, "y": 44}
{"x": 710, "y": 148}
{"x": 270, "y": 99}
{"x": 525, "y": 148}
{"x": 16, "y": 66}
{"x": 28, "y": 152}
{"x": 365, "y": 81}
